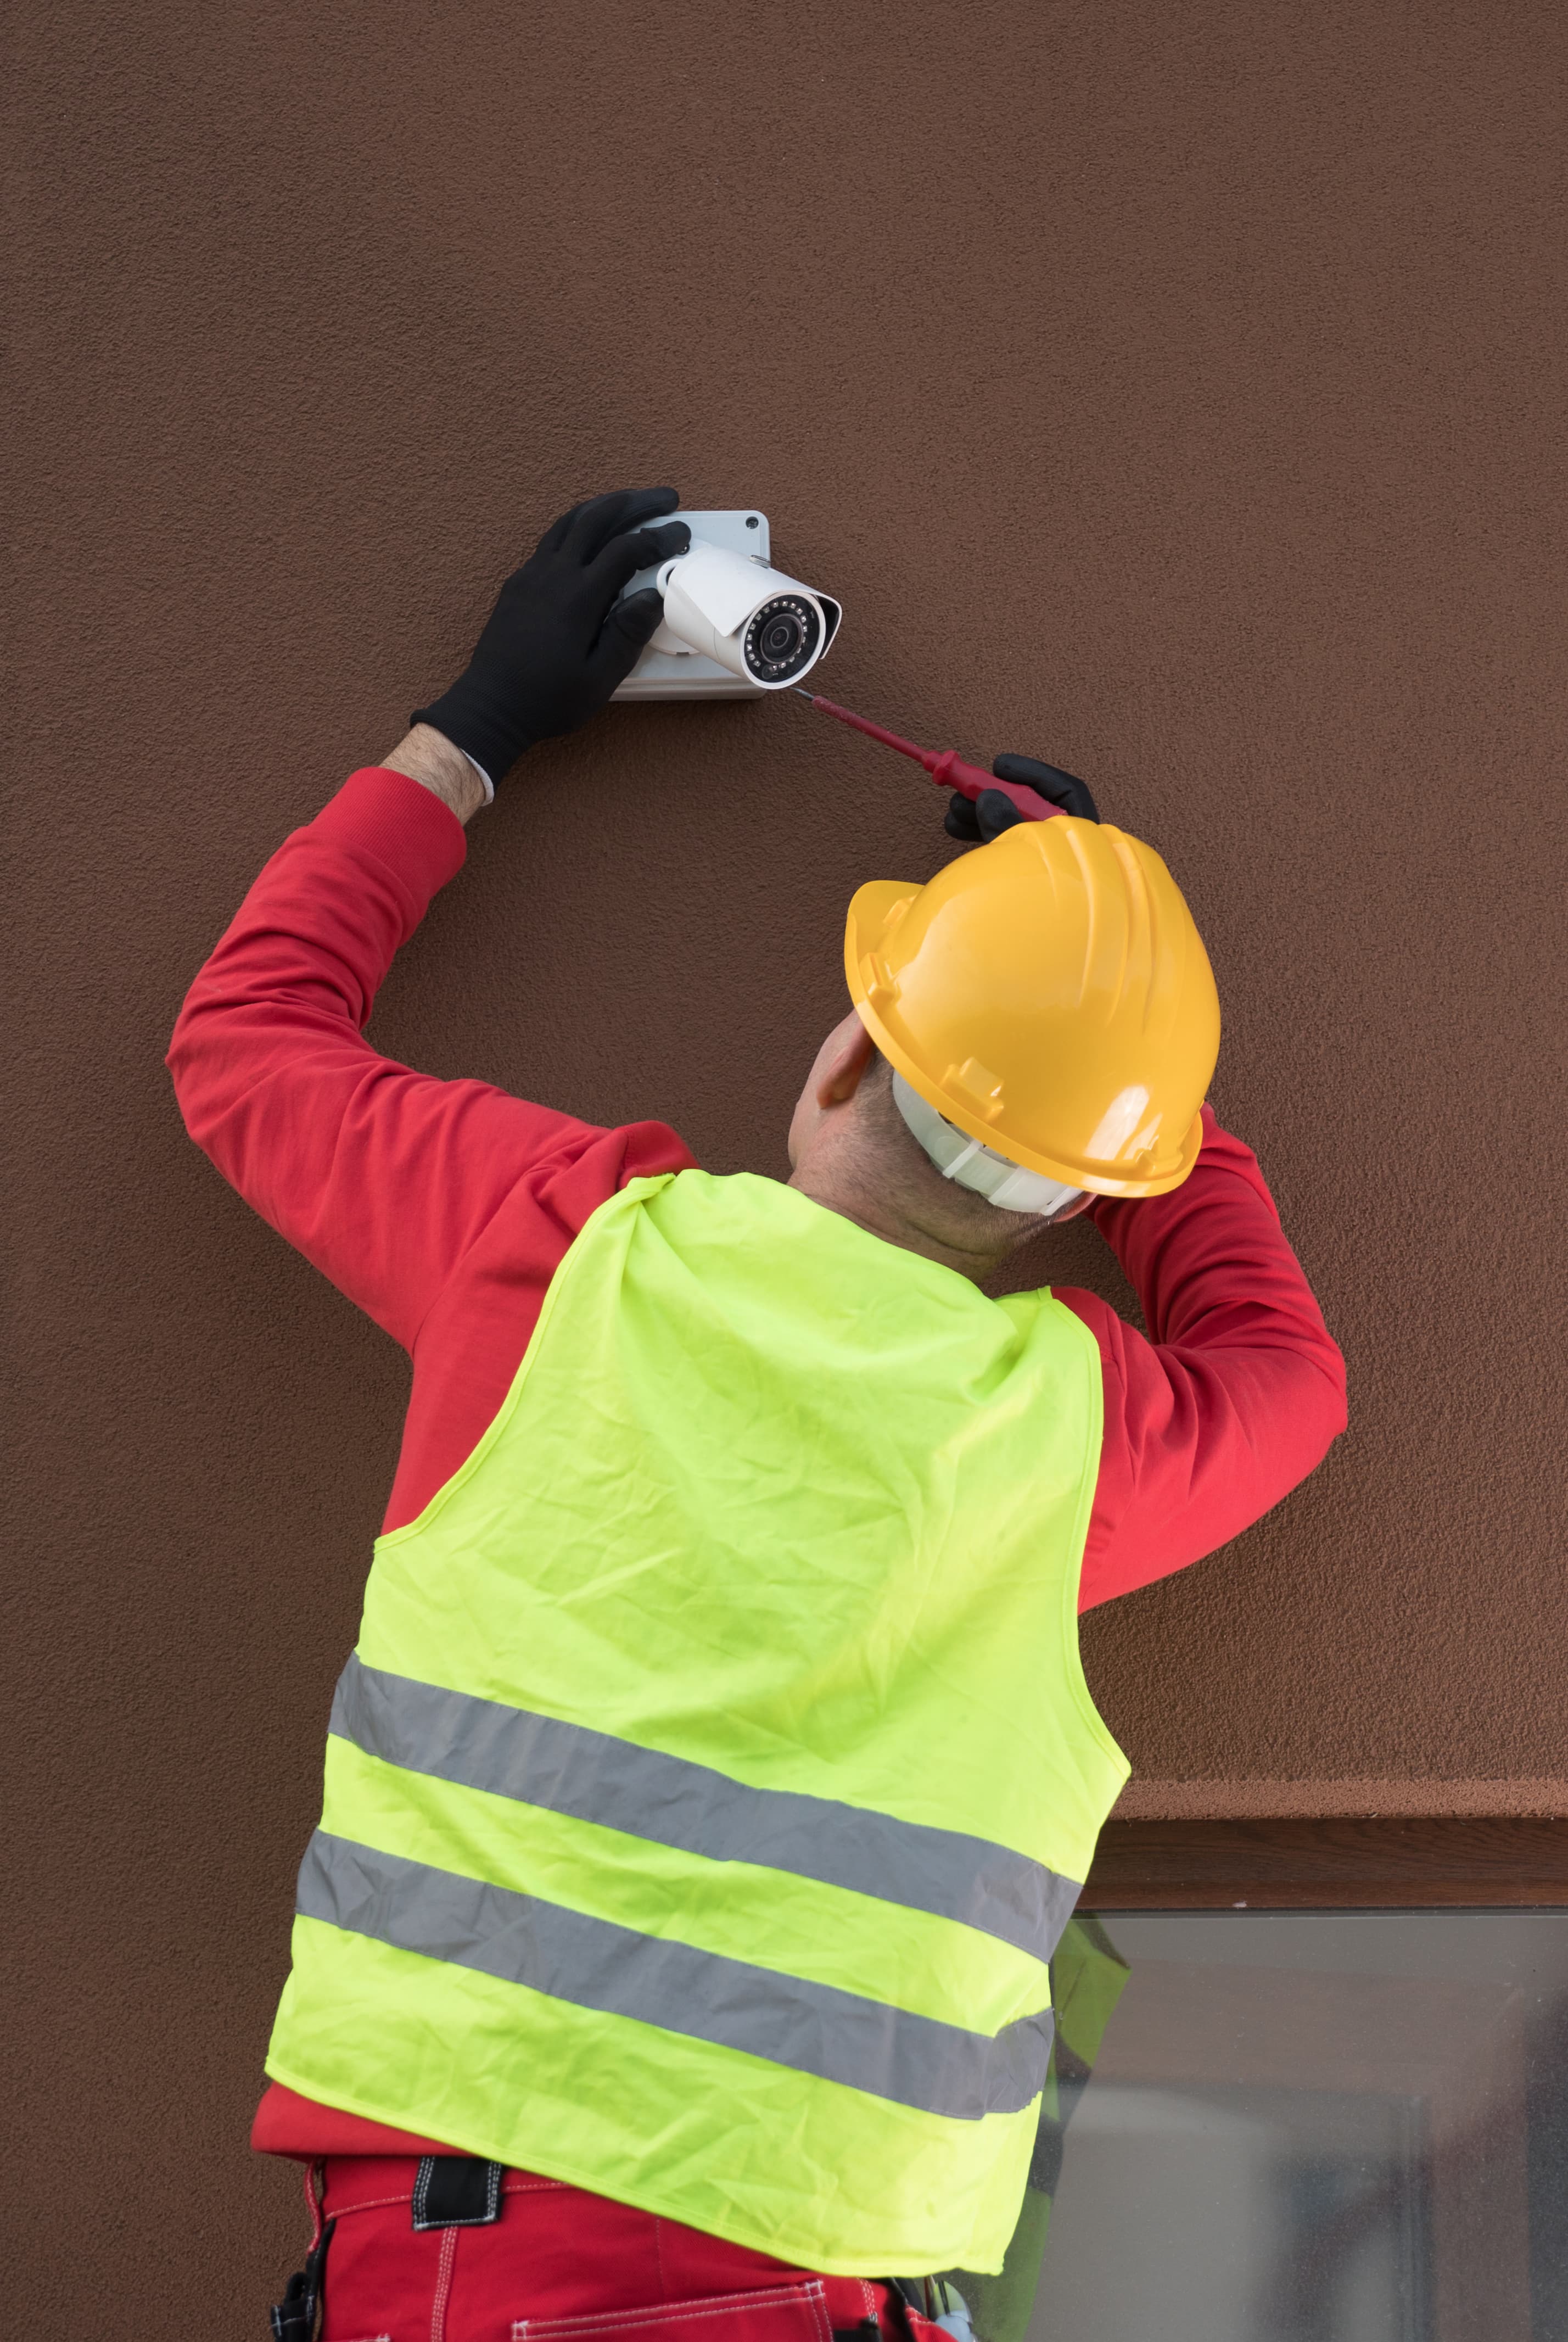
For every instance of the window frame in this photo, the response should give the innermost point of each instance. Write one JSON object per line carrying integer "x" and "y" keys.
{"x": 1377, "y": 1863}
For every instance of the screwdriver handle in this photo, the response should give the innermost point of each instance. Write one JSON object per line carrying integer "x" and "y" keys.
{"x": 951, "y": 772}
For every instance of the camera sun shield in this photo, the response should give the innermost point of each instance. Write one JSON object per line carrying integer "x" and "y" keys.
{"x": 734, "y": 625}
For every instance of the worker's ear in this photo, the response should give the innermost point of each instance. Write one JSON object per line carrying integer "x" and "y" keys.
{"x": 835, "y": 1076}
{"x": 841, "y": 1063}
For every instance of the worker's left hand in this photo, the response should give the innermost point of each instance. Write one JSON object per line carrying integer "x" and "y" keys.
{"x": 558, "y": 640}
{"x": 977, "y": 823}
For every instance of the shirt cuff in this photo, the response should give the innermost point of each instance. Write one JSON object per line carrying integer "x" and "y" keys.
{"x": 399, "y": 820}
{"x": 489, "y": 784}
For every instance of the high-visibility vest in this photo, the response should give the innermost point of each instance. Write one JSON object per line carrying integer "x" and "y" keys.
{"x": 715, "y": 1772}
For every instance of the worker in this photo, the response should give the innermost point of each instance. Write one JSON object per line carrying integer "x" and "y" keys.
{"x": 714, "y": 1775}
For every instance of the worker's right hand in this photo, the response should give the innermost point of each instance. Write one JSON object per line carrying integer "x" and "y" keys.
{"x": 558, "y": 640}
{"x": 991, "y": 813}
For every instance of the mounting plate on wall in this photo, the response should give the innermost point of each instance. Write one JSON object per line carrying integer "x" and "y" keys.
{"x": 679, "y": 673}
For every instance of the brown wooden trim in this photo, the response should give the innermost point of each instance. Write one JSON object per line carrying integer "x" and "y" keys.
{"x": 1327, "y": 1865}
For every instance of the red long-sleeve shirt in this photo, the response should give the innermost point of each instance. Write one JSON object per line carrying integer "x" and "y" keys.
{"x": 443, "y": 1208}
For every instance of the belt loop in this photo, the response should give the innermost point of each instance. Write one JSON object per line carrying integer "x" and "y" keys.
{"x": 456, "y": 2191}
{"x": 316, "y": 2197}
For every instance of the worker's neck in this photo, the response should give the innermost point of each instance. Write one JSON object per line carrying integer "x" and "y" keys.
{"x": 834, "y": 1186}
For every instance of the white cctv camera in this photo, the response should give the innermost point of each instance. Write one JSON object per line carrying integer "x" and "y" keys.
{"x": 733, "y": 625}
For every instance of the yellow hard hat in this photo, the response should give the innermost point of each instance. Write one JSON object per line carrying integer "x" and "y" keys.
{"x": 1050, "y": 994}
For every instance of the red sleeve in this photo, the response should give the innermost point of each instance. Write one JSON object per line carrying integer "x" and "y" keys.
{"x": 1238, "y": 1392}
{"x": 383, "y": 1177}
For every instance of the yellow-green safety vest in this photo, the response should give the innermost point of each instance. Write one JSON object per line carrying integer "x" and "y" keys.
{"x": 715, "y": 1772}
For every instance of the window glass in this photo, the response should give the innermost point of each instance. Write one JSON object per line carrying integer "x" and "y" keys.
{"x": 1300, "y": 2126}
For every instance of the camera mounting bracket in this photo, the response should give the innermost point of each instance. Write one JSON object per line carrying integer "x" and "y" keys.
{"x": 667, "y": 670}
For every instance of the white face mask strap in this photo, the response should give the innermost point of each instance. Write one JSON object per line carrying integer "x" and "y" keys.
{"x": 1007, "y": 1186}
{"x": 958, "y": 1162}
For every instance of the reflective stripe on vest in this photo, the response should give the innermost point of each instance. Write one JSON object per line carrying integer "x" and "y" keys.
{"x": 541, "y": 1761}
{"x": 706, "y": 1794}
{"x": 840, "y": 2036}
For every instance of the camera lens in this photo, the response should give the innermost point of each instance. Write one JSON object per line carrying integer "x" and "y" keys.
{"x": 782, "y": 638}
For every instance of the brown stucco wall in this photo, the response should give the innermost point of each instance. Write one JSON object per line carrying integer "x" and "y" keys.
{"x": 1175, "y": 393}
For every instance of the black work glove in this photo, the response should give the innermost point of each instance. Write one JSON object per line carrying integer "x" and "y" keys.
{"x": 991, "y": 813}
{"x": 558, "y": 642}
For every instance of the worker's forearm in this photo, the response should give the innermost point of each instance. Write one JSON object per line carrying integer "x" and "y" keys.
{"x": 275, "y": 1079}
{"x": 1237, "y": 1394}
{"x": 428, "y": 757}
{"x": 1212, "y": 1266}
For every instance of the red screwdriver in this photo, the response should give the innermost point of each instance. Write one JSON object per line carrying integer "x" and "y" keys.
{"x": 946, "y": 766}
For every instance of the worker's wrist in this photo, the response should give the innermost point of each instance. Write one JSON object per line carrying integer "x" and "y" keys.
{"x": 429, "y": 758}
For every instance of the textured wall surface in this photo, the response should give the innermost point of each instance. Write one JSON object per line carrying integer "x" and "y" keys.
{"x": 1177, "y": 393}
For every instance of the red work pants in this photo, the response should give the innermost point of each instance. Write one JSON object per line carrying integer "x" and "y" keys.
{"x": 559, "y": 2265}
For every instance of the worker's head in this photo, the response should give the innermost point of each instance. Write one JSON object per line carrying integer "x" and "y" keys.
{"x": 1044, "y": 1025}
